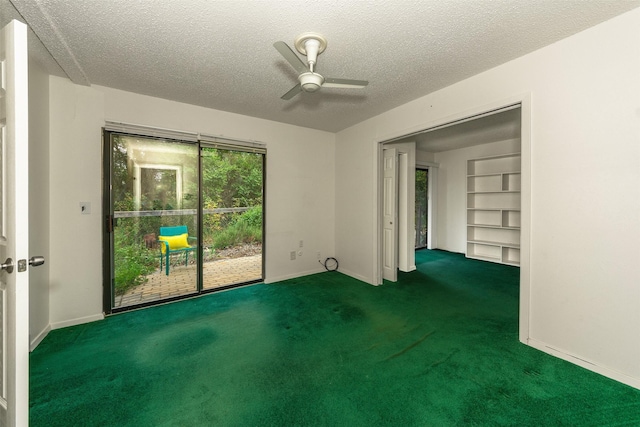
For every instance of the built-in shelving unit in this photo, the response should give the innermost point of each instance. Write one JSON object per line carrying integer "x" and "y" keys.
{"x": 493, "y": 208}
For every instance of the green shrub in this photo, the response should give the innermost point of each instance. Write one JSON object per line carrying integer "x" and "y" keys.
{"x": 246, "y": 228}
{"x": 252, "y": 217}
{"x": 132, "y": 263}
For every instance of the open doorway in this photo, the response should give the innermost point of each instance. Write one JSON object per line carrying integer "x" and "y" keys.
{"x": 451, "y": 222}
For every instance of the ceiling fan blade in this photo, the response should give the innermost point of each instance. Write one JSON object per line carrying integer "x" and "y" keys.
{"x": 291, "y": 57}
{"x": 346, "y": 83}
{"x": 293, "y": 92}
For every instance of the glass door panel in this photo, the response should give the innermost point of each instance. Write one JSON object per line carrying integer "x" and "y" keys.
{"x": 154, "y": 201}
{"x": 421, "y": 208}
{"x": 232, "y": 218}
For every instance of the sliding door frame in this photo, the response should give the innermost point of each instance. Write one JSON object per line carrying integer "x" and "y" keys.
{"x": 200, "y": 141}
{"x": 427, "y": 213}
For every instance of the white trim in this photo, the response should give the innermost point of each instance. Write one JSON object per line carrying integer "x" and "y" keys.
{"x": 137, "y": 189}
{"x": 378, "y": 158}
{"x": 584, "y": 363}
{"x": 38, "y": 339}
{"x": 310, "y": 272}
{"x": 354, "y": 275}
{"x": 524, "y": 320}
{"x": 270, "y": 280}
{"x": 448, "y": 121}
{"x": 420, "y": 164}
{"x": 77, "y": 321}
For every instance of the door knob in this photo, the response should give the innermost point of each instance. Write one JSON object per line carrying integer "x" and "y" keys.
{"x": 7, "y": 266}
{"x": 35, "y": 261}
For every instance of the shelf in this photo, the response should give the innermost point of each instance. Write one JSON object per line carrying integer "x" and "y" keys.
{"x": 511, "y": 181}
{"x": 513, "y": 172}
{"x": 495, "y": 200}
{"x": 487, "y": 253}
{"x": 499, "y": 235}
{"x": 494, "y": 164}
{"x": 511, "y": 219}
{"x": 511, "y": 256}
{"x": 496, "y": 244}
{"x": 494, "y": 183}
{"x": 499, "y": 227}
{"x": 484, "y": 218}
{"x": 493, "y": 208}
{"x": 492, "y": 192}
{"x": 494, "y": 218}
{"x": 485, "y": 258}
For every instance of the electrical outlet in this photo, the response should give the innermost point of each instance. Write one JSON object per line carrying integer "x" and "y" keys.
{"x": 293, "y": 255}
{"x": 301, "y": 244}
{"x": 319, "y": 256}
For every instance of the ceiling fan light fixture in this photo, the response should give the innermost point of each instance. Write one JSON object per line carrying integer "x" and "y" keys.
{"x": 310, "y": 82}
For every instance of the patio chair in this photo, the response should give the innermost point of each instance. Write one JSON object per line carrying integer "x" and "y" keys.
{"x": 174, "y": 240}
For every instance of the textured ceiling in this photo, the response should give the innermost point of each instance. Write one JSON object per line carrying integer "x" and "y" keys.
{"x": 220, "y": 54}
{"x": 36, "y": 48}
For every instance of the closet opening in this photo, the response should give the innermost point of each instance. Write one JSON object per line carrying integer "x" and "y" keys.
{"x": 479, "y": 188}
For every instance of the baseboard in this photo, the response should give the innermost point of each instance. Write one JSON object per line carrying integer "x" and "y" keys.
{"x": 269, "y": 280}
{"x": 77, "y": 321}
{"x": 587, "y": 364}
{"x": 410, "y": 269}
{"x": 367, "y": 280}
{"x": 38, "y": 339}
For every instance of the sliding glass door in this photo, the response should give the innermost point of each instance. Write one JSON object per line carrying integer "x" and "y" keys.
{"x": 232, "y": 225}
{"x": 154, "y": 200}
{"x": 182, "y": 218}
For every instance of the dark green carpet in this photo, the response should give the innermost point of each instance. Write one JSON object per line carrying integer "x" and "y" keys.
{"x": 438, "y": 348}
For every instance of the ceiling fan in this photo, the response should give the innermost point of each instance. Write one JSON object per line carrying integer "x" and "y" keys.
{"x": 311, "y": 45}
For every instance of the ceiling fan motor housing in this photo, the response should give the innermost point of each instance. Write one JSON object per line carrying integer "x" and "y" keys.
{"x": 310, "y": 82}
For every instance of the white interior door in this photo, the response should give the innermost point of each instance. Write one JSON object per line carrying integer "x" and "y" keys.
{"x": 390, "y": 215}
{"x": 14, "y": 226}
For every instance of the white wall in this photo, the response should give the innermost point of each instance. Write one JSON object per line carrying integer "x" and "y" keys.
{"x": 76, "y": 118}
{"x": 585, "y": 152}
{"x": 299, "y": 186}
{"x": 452, "y": 190}
{"x": 424, "y": 157}
{"x": 300, "y": 169}
{"x": 38, "y": 201}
